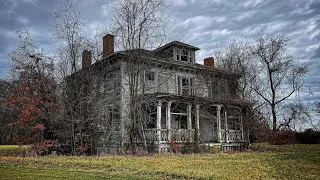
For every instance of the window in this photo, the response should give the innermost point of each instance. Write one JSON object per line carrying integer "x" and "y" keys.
{"x": 184, "y": 55}
{"x": 185, "y": 85}
{"x": 109, "y": 85}
{"x": 190, "y": 56}
{"x": 209, "y": 87}
{"x": 149, "y": 76}
{"x": 178, "y": 54}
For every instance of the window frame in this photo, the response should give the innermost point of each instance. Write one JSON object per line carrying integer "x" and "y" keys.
{"x": 146, "y": 73}
{"x": 189, "y": 87}
{"x": 184, "y": 55}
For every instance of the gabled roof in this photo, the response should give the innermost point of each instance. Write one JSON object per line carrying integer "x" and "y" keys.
{"x": 177, "y": 43}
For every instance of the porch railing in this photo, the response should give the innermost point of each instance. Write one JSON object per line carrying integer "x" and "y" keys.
{"x": 232, "y": 135}
{"x": 178, "y": 135}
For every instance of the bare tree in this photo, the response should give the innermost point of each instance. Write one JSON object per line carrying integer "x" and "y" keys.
{"x": 68, "y": 29}
{"x": 237, "y": 58}
{"x": 137, "y": 25}
{"x": 279, "y": 75}
{"x": 294, "y": 115}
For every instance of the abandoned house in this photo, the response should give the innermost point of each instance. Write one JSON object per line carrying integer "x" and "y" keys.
{"x": 179, "y": 100}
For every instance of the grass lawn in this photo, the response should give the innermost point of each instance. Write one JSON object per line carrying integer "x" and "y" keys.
{"x": 276, "y": 162}
{"x": 8, "y": 149}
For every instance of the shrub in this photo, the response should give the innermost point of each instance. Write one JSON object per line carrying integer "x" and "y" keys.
{"x": 282, "y": 137}
{"x": 174, "y": 147}
{"x": 43, "y": 148}
{"x": 309, "y": 136}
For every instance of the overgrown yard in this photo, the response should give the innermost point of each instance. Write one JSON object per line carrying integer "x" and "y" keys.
{"x": 275, "y": 162}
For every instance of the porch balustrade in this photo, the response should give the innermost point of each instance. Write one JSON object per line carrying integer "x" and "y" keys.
{"x": 178, "y": 135}
{"x": 232, "y": 135}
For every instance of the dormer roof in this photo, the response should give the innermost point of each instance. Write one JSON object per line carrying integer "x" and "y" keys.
{"x": 177, "y": 44}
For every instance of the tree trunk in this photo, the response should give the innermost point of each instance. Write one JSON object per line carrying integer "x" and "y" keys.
{"x": 274, "y": 118}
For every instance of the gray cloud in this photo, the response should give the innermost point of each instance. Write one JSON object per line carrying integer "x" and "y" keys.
{"x": 202, "y": 23}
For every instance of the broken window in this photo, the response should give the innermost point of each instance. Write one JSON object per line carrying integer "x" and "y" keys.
{"x": 190, "y": 56}
{"x": 185, "y": 85}
{"x": 184, "y": 55}
{"x": 109, "y": 85}
{"x": 149, "y": 76}
{"x": 178, "y": 54}
{"x": 234, "y": 118}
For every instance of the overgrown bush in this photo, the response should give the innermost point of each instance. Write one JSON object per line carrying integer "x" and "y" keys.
{"x": 282, "y": 137}
{"x": 43, "y": 148}
{"x": 309, "y": 136}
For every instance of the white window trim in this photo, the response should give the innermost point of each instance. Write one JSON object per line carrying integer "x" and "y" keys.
{"x": 190, "y": 85}
{"x": 178, "y": 53}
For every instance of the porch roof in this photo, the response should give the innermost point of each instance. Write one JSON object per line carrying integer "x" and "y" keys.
{"x": 196, "y": 99}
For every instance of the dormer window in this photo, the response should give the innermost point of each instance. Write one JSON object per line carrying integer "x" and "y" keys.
{"x": 184, "y": 55}
{"x": 190, "y": 56}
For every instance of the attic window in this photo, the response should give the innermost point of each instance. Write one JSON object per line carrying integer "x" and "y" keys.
{"x": 178, "y": 54}
{"x": 184, "y": 55}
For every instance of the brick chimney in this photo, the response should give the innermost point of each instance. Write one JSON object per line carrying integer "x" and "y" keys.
{"x": 108, "y": 45}
{"x": 86, "y": 59}
{"x": 209, "y": 61}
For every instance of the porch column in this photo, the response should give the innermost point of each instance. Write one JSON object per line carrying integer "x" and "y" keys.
{"x": 189, "y": 122}
{"x": 219, "y": 123}
{"x": 197, "y": 122}
{"x": 226, "y": 124}
{"x": 168, "y": 120}
{"x": 241, "y": 125}
{"x": 159, "y": 120}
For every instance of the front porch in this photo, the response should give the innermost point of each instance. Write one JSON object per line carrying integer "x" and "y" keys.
{"x": 179, "y": 122}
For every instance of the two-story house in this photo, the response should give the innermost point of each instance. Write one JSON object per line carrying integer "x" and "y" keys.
{"x": 180, "y": 101}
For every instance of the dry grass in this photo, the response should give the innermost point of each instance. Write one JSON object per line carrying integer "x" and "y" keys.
{"x": 275, "y": 162}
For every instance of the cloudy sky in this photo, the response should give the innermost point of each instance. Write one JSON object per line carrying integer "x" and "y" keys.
{"x": 206, "y": 24}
